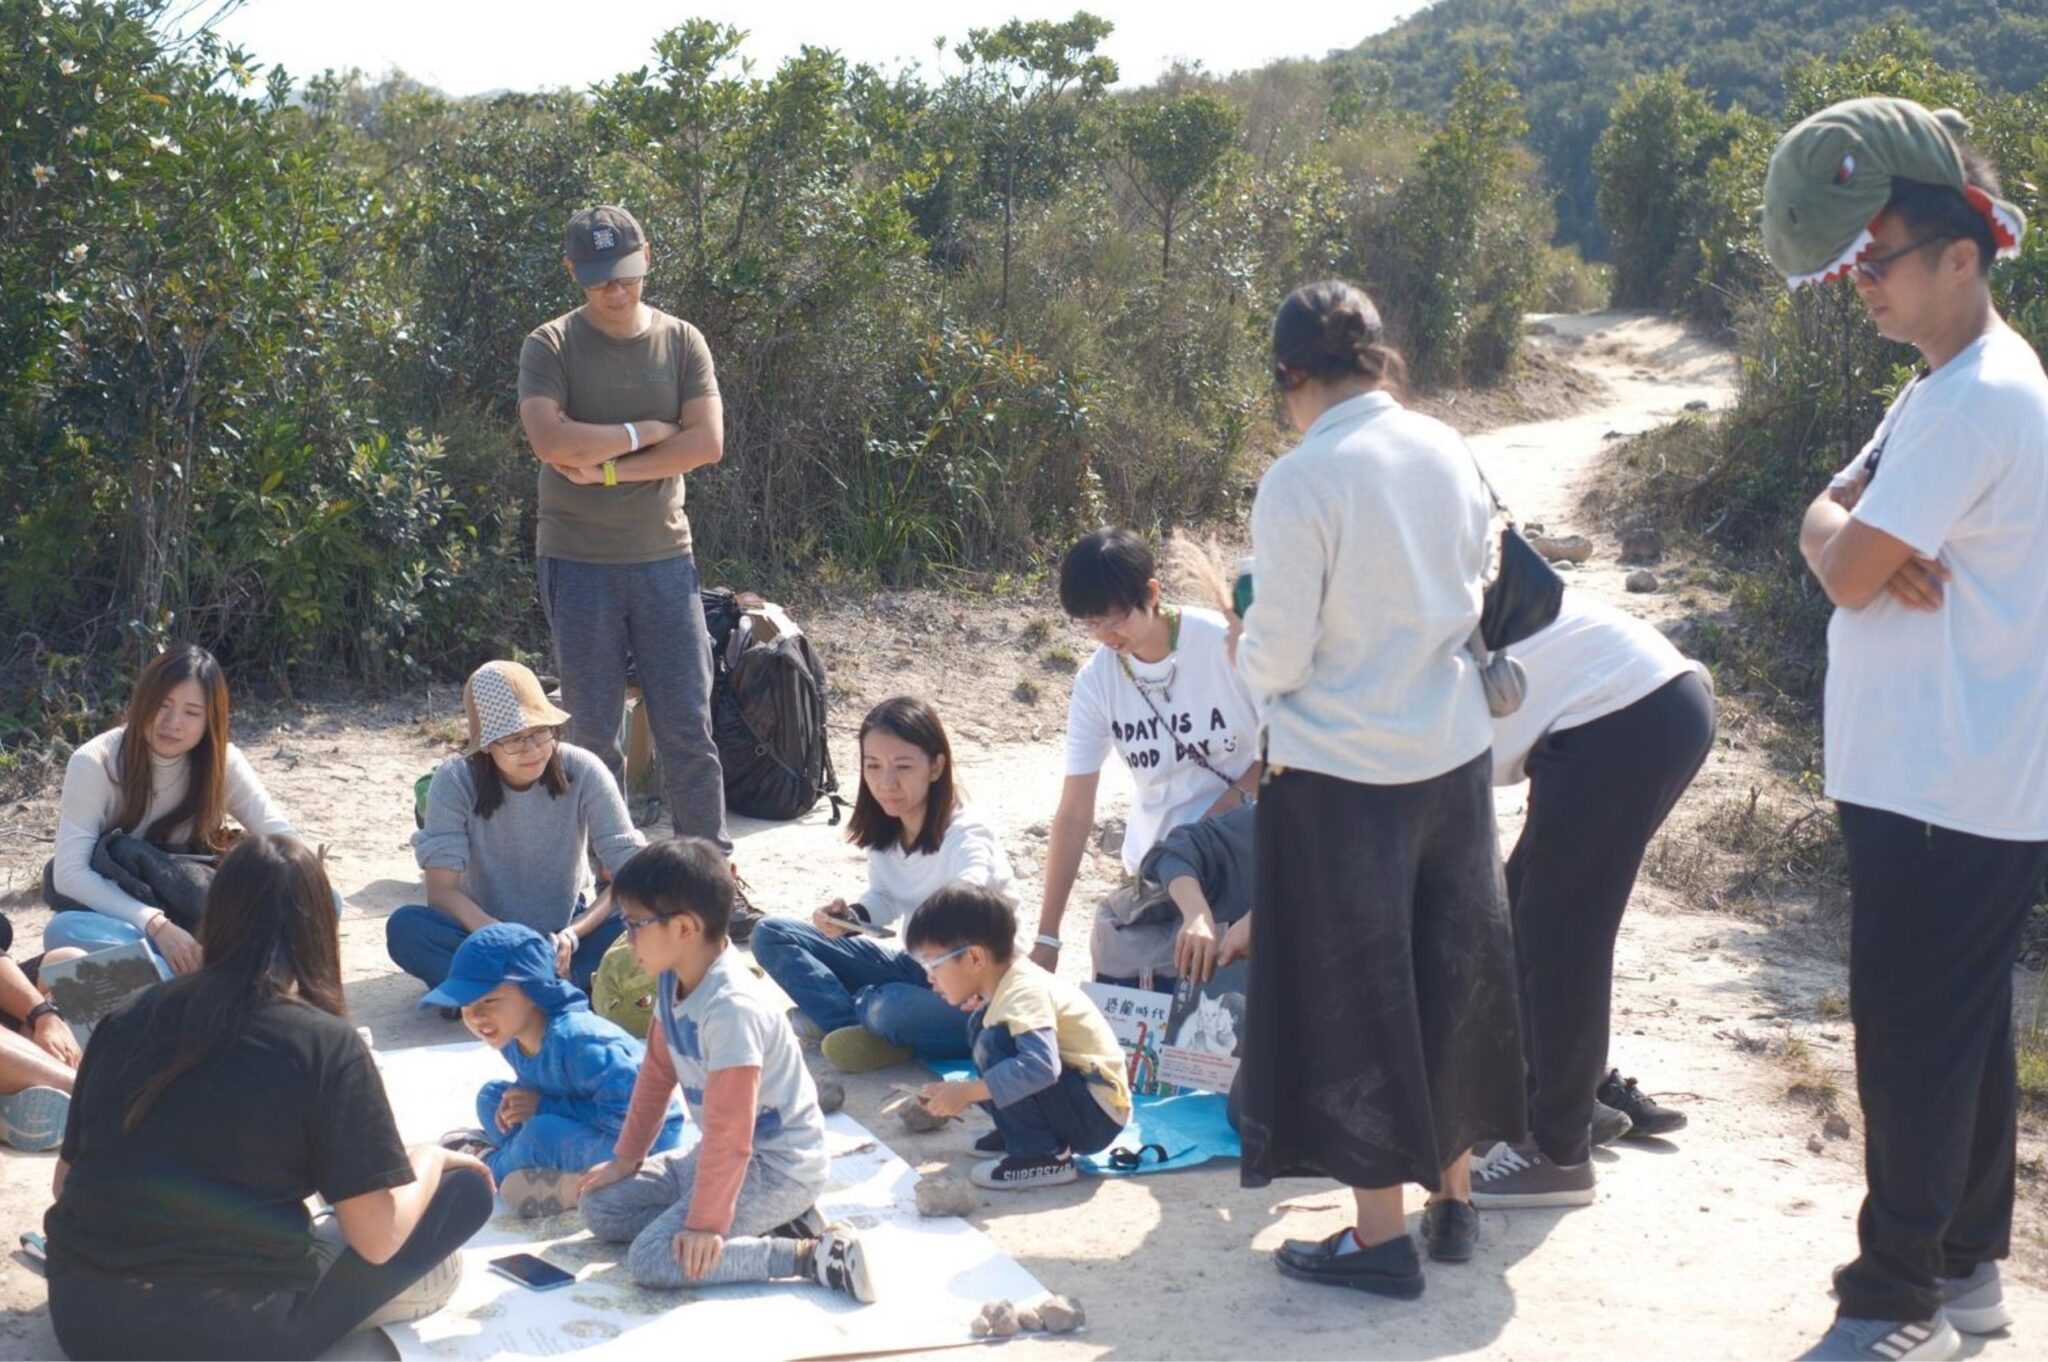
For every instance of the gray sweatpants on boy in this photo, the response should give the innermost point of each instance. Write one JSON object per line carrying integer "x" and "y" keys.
{"x": 650, "y": 1207}
{"x": 605, "y": 614}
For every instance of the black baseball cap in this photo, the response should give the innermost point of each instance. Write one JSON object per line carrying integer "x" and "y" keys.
{"x": 603, "y": 244}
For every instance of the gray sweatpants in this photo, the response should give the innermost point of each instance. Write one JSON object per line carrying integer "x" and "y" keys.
{"x": 650, "y": 1207}
{"x": 606, "y": 614}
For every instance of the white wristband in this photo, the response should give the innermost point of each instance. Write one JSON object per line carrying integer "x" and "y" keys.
{"x": 1046, "y": 940}
{"x": 632, "y": 436}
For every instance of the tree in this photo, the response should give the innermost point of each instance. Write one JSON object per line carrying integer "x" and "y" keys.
{"x": 1172, "y": 151}
{"x": 1026, "y": 70}
{"x": 1652, "y": 164}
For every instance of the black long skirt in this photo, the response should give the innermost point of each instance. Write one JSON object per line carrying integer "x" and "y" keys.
{"x": 1382, "y": 1036}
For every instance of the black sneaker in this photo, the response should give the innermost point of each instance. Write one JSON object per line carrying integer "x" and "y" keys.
{"x": 1389, "y": 1269}
{"x": 991, "y": 1143}
{"x": 810, "y": 1225}
{"x": 1017, "y": 1172}
{"x": 1646, "y": 1115}
{"x": 1609, "y": 1124}
{"x": 1450, "y": 1229}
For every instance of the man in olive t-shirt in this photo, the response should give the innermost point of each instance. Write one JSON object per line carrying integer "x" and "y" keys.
{"x": 620, "y": 400}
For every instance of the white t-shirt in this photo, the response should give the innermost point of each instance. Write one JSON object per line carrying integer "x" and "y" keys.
{"x": 1206, "y": 708}
{"x": 1371, "y": 539}
{"x": 969, "y": 853}
{"x": 1942, "y": 715}
{"x": 1592, "y": 661}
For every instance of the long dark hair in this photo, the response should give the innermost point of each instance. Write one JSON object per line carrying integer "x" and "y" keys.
{"x": 490, "y": 786}
{"x": 913, "y": 721}
{"x": 205, "y": 798}
{"x": 269, "y": 934}
{"x": 1332, "y": 331}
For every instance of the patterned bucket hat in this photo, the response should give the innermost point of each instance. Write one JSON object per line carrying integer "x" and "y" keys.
{"x": 504, "y": 698}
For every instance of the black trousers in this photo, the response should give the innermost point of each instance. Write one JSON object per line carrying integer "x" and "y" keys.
{"x": 99, "y": 1316}
{"x": 1935, "y": 926}
{"x": 1597, "y": 795}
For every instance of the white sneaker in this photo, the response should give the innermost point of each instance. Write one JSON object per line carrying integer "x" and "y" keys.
{"x": 839, "y": 1262}
{"x": 422, "y": 1298}
{"x": 1976, "y": 1304}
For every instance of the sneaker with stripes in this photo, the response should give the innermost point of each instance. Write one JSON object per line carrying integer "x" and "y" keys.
{"x": 838, "y": 1261}
{"x": 1885, "y": 1340}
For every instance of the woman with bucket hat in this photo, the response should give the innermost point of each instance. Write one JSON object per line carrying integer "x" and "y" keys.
{"x": 509, "y": 828}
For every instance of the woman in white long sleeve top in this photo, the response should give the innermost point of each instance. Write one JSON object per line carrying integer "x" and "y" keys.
{"x": 870, "y": 1000}
{"x": 169, "y": 776}
{"x": 1382, "y": 1038}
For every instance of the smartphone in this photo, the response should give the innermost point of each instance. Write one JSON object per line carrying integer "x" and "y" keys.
{"x": 535, "y": 1274}
{"x": 864, "y": 928}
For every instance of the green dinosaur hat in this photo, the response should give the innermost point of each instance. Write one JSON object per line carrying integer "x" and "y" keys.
{"x": 1832, "y": 175}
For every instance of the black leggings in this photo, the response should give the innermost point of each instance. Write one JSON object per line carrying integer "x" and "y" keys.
{"x": 124, "y": 1317}
{"x": 1597, "y": 795}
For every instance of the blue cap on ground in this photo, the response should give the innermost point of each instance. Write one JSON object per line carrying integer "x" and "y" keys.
{"x": 505, "y": 952}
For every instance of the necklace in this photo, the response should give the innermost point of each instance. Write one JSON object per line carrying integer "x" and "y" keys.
{"x": 1161, "y": 686}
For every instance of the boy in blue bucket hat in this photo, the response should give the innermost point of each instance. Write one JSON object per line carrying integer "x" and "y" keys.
{"x": 573, "y": 1071}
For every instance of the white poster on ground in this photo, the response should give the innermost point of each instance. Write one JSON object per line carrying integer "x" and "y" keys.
{"x": 932, "y": 1276}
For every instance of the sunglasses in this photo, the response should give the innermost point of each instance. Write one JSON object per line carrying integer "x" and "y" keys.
{"x": 1872, "y": 271}
{"x": 931, "y": 966}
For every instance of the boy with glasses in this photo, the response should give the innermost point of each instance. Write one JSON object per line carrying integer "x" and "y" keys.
{"x": 1052, "y": 1073}
{"x": 1932, "y": 545}
{"x": 711, "y": 1214}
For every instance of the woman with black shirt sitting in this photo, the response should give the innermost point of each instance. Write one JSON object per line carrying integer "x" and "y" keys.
{"x": 206, "y": 1113}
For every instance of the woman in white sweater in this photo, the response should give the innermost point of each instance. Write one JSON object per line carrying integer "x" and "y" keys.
{"x": 168, "y": 776}
{"x": 1382, "y": 1040}
{"x": 869, "y": 1000}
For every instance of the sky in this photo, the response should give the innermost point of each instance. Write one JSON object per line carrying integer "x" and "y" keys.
{"x": 465, "y": 47}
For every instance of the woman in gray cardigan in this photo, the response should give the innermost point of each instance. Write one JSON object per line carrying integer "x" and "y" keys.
{"x": 509, "y": 831}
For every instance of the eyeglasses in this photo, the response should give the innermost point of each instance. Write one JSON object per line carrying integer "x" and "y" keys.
{"x": 634, "y": 924}
{"x": 623, "y": 285}
{"x": 1872, "y": 271}
{"x": 519, "y": 744}
{"x": 931, "y": 966}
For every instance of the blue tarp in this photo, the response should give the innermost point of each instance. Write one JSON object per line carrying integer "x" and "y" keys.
{"x": 1192, "y": 1128}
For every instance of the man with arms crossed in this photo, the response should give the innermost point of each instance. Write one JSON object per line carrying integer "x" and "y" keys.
{"x": 620, "y": 401}
{"x": 1933, "y": 545}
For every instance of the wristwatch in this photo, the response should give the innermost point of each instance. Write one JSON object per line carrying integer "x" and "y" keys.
{"x": 43, "y": 1009}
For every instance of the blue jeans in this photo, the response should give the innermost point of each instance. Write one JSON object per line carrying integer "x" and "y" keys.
{"x": 550, "y": 1141}
{"x": 855, "y": 981}
{"x": 606, "y": 615}
{"x": 422, "y": 941}
{"x": 1064, "y": 1118}
{"x": 91, "y": 931}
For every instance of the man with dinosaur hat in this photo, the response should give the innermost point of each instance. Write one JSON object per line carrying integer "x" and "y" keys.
{"x": 1933, "y": 545}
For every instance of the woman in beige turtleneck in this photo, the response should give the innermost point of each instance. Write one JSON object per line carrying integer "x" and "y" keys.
{"x": 173, "y": 789}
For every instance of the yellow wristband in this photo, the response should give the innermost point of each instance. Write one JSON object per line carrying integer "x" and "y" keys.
{"x": 611, "y": 472}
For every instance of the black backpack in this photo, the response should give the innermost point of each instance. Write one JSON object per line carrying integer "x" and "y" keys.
{"x": 767, "y": 716}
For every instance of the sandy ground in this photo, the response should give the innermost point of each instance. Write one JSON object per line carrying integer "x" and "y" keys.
{"x": 1715, "y": 1243}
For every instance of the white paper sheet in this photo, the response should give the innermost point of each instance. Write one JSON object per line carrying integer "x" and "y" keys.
{"x": 931, "y": 1276}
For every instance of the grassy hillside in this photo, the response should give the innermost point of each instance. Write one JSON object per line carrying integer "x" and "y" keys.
{"x": 1569, "y": 57}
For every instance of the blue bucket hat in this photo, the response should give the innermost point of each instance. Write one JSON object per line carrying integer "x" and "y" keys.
{"x": 506, "y": 952}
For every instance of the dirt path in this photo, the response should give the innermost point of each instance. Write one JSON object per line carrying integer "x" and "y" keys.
{"x": 1717, "y": 1243}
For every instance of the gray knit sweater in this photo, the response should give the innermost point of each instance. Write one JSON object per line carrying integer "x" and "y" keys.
{"x": 527, "y": 862}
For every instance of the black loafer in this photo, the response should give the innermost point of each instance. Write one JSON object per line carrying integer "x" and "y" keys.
{"x": 1389, "y": 1269}
{"x": 1450, "y": 1230}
